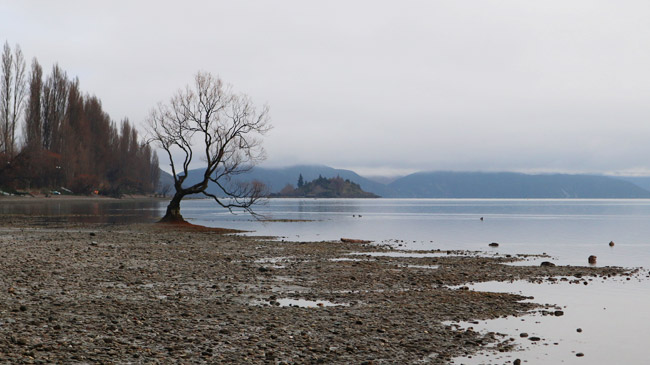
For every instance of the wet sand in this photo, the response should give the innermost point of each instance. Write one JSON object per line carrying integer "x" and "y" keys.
{"x": 147, "y": 293}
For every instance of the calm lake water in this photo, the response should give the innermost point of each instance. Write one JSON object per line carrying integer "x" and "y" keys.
{"x": 612, "y": 314}
{"x": 569, "y": 230}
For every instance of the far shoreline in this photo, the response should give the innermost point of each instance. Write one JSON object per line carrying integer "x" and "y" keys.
{"x": 72, "y": 197}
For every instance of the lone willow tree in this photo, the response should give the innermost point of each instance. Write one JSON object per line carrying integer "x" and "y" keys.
{"x": 208, "y": 120}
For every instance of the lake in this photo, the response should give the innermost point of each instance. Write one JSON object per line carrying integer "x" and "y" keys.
{"x": 612, "y": 313}
{"x": 569, "y": 230}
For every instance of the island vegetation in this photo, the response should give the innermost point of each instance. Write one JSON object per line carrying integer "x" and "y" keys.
{"x": 334, "y": 187}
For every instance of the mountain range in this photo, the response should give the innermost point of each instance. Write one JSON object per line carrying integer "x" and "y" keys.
{"x": 447, "y": 184}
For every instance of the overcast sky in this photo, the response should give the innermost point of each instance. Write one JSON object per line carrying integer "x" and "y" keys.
{"x": 379, "y": 87}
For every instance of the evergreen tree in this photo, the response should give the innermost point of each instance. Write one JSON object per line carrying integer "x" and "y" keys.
{"x": 301, "y": 181}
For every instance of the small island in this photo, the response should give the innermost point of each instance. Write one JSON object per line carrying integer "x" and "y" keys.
{"x": 334, "y": 187}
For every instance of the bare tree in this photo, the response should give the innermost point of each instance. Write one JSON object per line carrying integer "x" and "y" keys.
{"x": 33, "y": 122}
{"x": 209, "y": 120}
{"x": 20, "y": 88}
{"x": 12, "y": 94}
{"x": 5, "y": 95}
{"x": 54, "y": 100}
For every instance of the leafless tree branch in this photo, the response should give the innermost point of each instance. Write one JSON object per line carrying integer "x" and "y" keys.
{"x": 228, "y": 125}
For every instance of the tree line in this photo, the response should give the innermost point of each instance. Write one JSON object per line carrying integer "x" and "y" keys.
{"x": 54, "y": 135}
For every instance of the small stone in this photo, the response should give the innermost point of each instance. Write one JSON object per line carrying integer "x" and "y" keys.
{"x": 579, "y": 330}
{"x": 580, "y": 354}
{"x": 523, "y": 334}
{"x": 92, "y": 234}
{"x": 558, "y": 313}
{"x": 611, "y": 243}
{"x": 493, "y": 244}
{"x": 535, "y": 338}
{"x": 516, "y": 362}
{"x": 547, "y": 264}
{"x": 23, "y": 308}
{"x": 592, "y": 259}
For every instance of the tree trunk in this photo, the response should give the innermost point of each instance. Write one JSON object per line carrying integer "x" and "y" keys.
{"x": 173, "y": 214}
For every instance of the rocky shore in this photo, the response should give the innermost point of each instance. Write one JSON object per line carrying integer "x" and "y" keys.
{"x": 147, "y": 293}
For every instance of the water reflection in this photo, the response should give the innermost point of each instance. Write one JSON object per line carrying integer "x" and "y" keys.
{"x": 85, "y": 211}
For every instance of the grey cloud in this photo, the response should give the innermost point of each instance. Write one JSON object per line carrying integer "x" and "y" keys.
{"x": 489, "y": 85}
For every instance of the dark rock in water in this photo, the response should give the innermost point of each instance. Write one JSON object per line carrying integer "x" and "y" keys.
{"x": 516, "y": 362}
{"x": 579, "y": 330}
{"x": 523, "y": 334}
{"x": 23, "y": 308}
{"x": 493, "y": 244}
{"x": 481, "y": 218}
{"x": 535, "y": 338}
{"x": 592, "y": 259}
{"x": 353, "y": 240}
{"x": 547, "y": 264}
{"x": 580, "y": 354}
{"x": 611, "y": 243}
{"x": 92, "y": 234}
{"x": 558, "y": 313}
{"x": 264, "y": 269}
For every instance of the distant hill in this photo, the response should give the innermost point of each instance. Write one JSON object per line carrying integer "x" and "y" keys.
{"x": 277, "y": 178}
{"x": 454, "y": 184}
{"x": 165, "y": 183}
{"x": 513, "y": 185}
{"x": 640, "y": 181}
{"x": 334, "y": 187}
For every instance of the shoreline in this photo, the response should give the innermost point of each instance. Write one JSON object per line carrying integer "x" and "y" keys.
{"x": 142, "y": 293}
{"x": 26, "y": 198}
